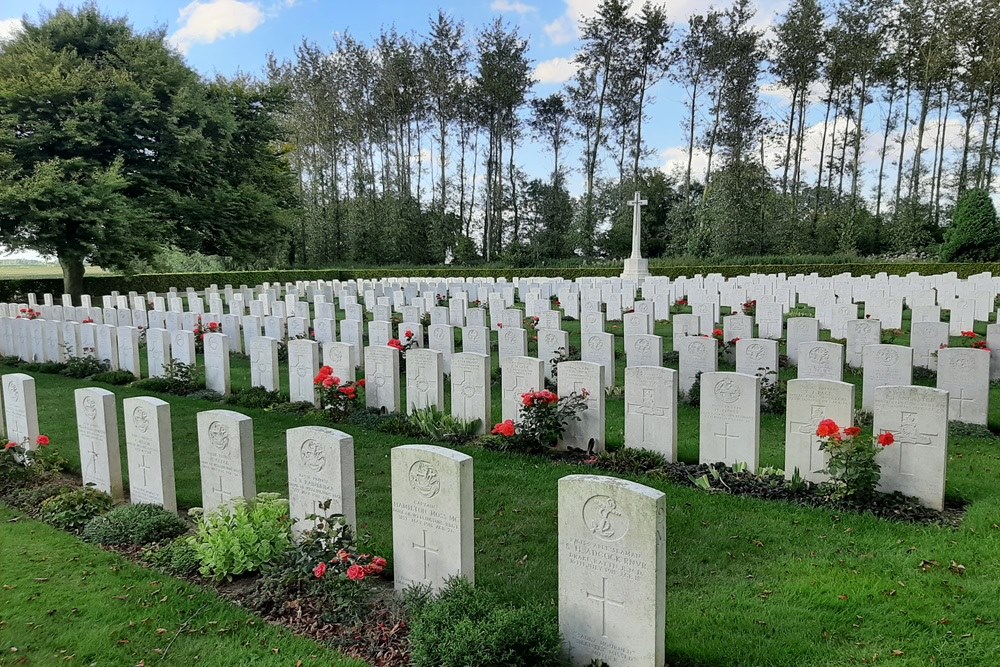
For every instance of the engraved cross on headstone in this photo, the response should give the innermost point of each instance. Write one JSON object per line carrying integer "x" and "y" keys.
{"x": 604, "y": 599}
{"x": 424, "y": 548}
{"x": 808, "y": 429}
{"x": 962, "y": 400}
{"x": 910, "y": 434}
{"x": 725, "y": 437}
{"x": 224, "y": 496}
{"x": 143, "y": 466}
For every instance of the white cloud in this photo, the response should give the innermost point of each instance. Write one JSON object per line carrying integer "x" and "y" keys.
{"x": 207, "y": 22}
{"x": 556, "y": 70}
{"x": 9, "y": 28}
{"x": 515, "y": 7}
{"x": 562, "y": 30}
{"x": 674, "y": 162}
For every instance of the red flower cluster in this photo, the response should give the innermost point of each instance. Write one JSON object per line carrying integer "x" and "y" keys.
{"x": 828, "y": 429}
{"x": 87, "y": 320}
{"x": 717, "y": 333}
{"x": 505, "y": 428}
{"x": 886, "y": 439}
{"x": 970, "y": 334}
{"x": 544, "y": 397}
{"x": 395, "y": 342}
{"x": 980, "y": 345}
{"x": 356, "y": 571}
{"x": 681, "y": 302}
{"x": 29, "y": 314}
{"x": 326, "y": 379}
{"x": 43, "y": 441}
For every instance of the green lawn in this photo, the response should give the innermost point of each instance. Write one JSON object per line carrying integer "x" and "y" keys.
{"x": 749, "y": 582}
{"x": 66, "y": 602}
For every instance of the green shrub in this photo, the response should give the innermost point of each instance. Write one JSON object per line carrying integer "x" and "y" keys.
{"x": 254, "y": 397}
{"x": 238, "y": 540}
{"x": 30, "y": 498}
{"x": 629, "y": 461}
{"x": 974, "y": 234}
{"x": 442, "y": 427}
{"x": 119, "y": 378}
{"x": 177, "y": 557}
{"x": 85, "y": 367}
{"x": 134, "y": 524}
{"x": 468, "y": 626}
{"x": 72, "y": 510}
{"x": 206, "y": 395}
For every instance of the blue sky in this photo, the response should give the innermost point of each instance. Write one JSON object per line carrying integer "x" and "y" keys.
{"x": 230, "y": 36}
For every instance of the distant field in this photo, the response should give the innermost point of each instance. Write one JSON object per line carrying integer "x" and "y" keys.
{"x": 40, "y": 271}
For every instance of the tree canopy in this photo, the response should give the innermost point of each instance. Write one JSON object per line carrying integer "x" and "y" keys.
{"x": 112, "y": 148}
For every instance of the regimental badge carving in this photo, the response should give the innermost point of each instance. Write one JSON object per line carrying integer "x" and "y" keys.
{"x": 424, "y": 479}
{"x": 696, "y": 348}
{"x": 887, "y": 357}
{"x": 727, "y": 391}
{"x": 15, "y": 393}
{"x": 218, "y": 435}
{"x": 89, "y": 407}
{"x": 642, "y": 345}
{"x": 604, "y": 519}
{"x": 819, "y": 357}
{"x": 140, "y": 419}
{"x": 312, "y": 455}
{"x": 755, "y": 351}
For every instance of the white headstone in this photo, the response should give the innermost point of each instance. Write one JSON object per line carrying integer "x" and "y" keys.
{"x": 470, "y": 389}
{"x": 97, "y": 430}
{"x": 382, "y": 378}
{"x": 884, "y": 365}
{"x": 586, "y": 379}
{"x": 149, "y": 446}
{"x": 729, "y": 415}
{"x": 226, "y": 457}
{"x": 217, "y": 376}
{"x": 303, "y": 365}
{"x": 964, "y": 372}
{"x": 320, "y": 469}
{"x": 432, "y": 516}
{"x": 697, "y": 354}
{"x": 20, "y": 409}
{"x": 519, "y": 375}
{"x": 612, "y": 571}
{"x": 264, "y": 363}
{"x": 651, "y": 409}
{"x": 809, "y": 402}
{"x": 916, "y": 463}
{"x": 424, "y": 380}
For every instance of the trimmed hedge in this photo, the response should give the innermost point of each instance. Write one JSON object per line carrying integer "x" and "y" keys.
{"x": 17, "y": 289}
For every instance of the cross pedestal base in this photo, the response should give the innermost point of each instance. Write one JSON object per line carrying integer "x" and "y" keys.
{"x": 636, "y": 268}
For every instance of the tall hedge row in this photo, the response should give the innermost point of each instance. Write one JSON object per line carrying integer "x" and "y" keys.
{"x": 16, "y": 289}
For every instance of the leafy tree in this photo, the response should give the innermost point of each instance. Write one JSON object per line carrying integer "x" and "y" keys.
{"x": 111, "y": 148}
{"x": 974, "y": 234}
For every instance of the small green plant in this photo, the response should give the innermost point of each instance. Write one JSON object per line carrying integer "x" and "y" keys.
{"x": 442, "y": 427}
{"x": 694, "y": 393}
{"x": 178, "y": 378}
{"x": 629, "y": 461}
{"x": 119, "y": 378}
{"x": 239, "y": 539}
{"x": 72, "y": 510}
{"x": 134, "y": 524}
{"x": 85, "y": 367}
{"x": 773, "y": 392}
{"x": 852, "y": 467}
{"x": 469, "y": 626}
{"x": 177, "y": 557}
{"x": 254, "y": 397}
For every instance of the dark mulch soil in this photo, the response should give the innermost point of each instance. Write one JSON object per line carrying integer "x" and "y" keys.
{"x": 894, "y": 506}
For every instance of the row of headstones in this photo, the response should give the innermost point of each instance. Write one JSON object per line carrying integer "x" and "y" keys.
{"x": 612, "y": 533}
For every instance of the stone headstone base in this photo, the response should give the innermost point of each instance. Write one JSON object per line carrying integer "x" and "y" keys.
{"x": 636, "y": 268}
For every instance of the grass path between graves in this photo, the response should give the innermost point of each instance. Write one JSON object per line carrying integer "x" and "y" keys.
{"x": 66, "y": 602}
{"x": 749, "y": 582}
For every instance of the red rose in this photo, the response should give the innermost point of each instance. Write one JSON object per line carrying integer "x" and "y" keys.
{"x": 328, "y": 383}
{"x": 970, "y": 334}
{"x": 827, "y": 428}
{"x": 528, "y": 399}
{"x": 356, "y": 573}
{"x": 319, "y": 570}
{"x": 548, "y": 396}
{"x": 380, "y": 562}
{"x": 347, "y": 391}
{"x": 343, "y": 556}
{"x": 716, "y": 332}
{"x": 394, "y": 343}
{"x": 852, "y": 431}
{"x": 43, "y": 441}
{"x": 886, "y": 439}
{"x": 10, "y": 445}
{"x": 213, "y": 326}
{"x": 361, "y": 383}
{"x": 506, "y": 429}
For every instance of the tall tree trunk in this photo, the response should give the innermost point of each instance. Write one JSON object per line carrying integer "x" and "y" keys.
{"x": 859, "y": 128}
{"x": 833, "y": 142}
{"x": 993, "y": 150}
{"x": 902, "y": 144}
{"x": 987, "y": 122}
{"x": 788, "y": 143}
{"x": 711, "y": 142}
{"x": 925, "y": 100}
{"x": 443, "y": 126}
{"x": 73, "y": 270}
{"x": 638, "y": 125}
{"x": 885, "y": 147}
{"x": 691, "y": 132}
{"x": 822, "y": 154}
{"x": 939, "y": 177}
{"x": 799, "y": 145}
{"x": 513, "y": 190}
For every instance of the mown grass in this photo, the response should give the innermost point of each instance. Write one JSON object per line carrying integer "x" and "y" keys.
{"x": 749, "y": 582}
{"x": 65, "y": 602}
{"x": 21, "y": 271}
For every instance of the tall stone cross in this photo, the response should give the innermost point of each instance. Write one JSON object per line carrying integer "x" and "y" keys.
{"x": 637, "y": 205}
